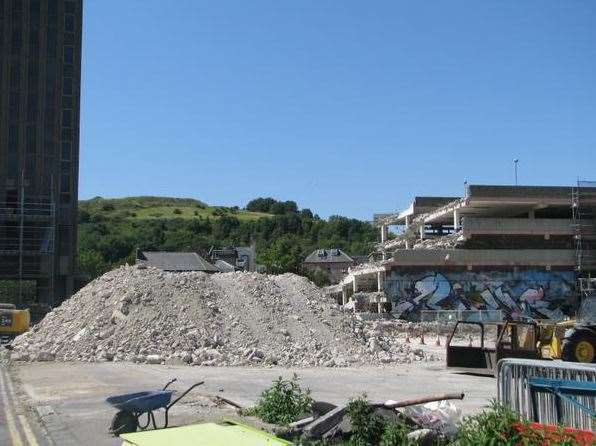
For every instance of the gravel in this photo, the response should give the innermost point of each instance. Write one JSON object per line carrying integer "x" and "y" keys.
{"x": 235, "y": 319}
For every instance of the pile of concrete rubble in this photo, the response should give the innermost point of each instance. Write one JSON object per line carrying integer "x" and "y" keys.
{"x": 150, "y": 316}
{"x": 448, "y": 241}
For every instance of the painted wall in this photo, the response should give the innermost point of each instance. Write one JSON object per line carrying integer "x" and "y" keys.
{"x": 537, "y": 293}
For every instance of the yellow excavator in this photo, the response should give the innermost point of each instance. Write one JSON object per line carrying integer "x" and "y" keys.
{"x": 13, "y": 322}
{"x": 571, "y": 340}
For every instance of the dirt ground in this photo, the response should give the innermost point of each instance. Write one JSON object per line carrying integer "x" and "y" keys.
{"x": 70, "y": 397}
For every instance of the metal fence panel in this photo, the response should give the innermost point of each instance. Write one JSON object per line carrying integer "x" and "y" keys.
{"x": 513, "y": 390}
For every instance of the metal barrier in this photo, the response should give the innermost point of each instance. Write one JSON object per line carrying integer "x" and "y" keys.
{"x": 513, "y": 390}
{"x": 452, "y": 316}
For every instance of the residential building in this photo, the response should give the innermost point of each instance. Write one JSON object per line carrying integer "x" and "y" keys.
{"x": 40, "y": 74}
{"x": 175, "y": 261}
{"x": 333, "y": 262}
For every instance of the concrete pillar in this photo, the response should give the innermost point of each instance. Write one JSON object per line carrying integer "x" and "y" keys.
{"x": 384, "y": 255}
{"x": 455, "y": 220}
{"x": 421, "y": 232}
{"x": 384, "y": 233}
{"x": 407, "y": 244}
{"x": 407, "y": 221}
{"x": 379, "y": 307}
{"x": 380, "y": 281}
{"x": 355, "y": 285}
{"x": 532, "y": 214}
{"x": 344, "y": 297}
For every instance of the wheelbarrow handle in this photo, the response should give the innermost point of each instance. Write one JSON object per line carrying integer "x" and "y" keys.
{"x": 184, "y": 394}
{"x": 169, "y": 382}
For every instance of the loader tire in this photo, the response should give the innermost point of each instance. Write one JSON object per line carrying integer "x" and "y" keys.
{"x": 579, "y": 347}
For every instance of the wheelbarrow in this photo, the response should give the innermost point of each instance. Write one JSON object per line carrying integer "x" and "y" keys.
{"x": 132, "y": 406}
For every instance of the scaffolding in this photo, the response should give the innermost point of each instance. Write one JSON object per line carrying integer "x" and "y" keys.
{"x": 584, "y": 226}
{"x": 27, "y": 243}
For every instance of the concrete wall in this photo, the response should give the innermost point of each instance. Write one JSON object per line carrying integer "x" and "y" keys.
{"x": 539, "y": 293}
{"x": 516, "y": 226}
{"x": 484, "y": 257}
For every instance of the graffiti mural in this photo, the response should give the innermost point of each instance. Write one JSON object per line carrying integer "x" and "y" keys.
{"x": 539, "y": 294}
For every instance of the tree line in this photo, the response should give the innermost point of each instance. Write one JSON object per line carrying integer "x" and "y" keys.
{"x": 283, "y": 240}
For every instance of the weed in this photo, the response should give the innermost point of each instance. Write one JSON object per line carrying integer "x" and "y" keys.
{"x": 283, "y": 402}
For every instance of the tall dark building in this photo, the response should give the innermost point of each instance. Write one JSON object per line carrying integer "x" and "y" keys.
{"x": 40, "y": 78}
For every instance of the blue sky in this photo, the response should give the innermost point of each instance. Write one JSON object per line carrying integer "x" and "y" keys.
{"x": 346, "y": 107}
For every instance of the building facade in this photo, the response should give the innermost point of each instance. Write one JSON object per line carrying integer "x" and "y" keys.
{"x": 40, "y": 78}
{"x": 332, "y": 262}
{"x": 508, "y": 250}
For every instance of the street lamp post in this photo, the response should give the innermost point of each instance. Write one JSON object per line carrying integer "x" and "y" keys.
{"x": 515, "y": 161}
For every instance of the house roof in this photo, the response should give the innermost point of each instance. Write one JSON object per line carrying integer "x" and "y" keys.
{"x": 177, "y": 261}
{"x": 333, "y": 255}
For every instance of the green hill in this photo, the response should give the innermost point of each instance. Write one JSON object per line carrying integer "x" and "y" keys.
{"x": 142, "y": 208}
{"x": 111, "y": 230}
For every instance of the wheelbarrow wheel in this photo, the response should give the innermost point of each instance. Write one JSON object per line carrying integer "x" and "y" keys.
{"x": 123, "y": 423}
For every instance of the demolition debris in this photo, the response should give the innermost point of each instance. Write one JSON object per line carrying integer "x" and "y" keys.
{"x": 145, "y": 315}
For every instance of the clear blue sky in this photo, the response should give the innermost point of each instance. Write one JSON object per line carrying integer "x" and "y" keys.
{"x": 347, "y": 107}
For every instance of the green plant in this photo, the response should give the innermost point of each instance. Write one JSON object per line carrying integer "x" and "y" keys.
{"x": 492, "y": 427}
{"x": 367, "y": 425}
{"x": 395, "y": 434}
{"x": 283, "y": 402}
{"x": 177, "y": 211}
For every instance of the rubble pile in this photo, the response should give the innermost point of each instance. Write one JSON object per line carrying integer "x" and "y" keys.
{"x": 146, "y": 315}
{"x": 448, "y": 241}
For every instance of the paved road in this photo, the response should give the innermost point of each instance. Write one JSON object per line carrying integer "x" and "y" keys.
{"x": 72, "y": 394}
{"x": 17, "y": 428}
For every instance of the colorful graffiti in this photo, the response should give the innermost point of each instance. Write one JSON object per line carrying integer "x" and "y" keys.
{"x": 539, "y": 294}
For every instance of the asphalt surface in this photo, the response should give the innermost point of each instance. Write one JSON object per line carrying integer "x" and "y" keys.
{"x": 18, "y": 426}
{"x": 70, "y": 397}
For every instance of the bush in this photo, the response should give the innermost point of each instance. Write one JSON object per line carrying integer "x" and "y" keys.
{"x": 283, "y": 402}
{"x": 107, "y": 207}
{"x": 367, "y": 425}
{"x": 177, "y": 211}
{"x": 490, "y": 427}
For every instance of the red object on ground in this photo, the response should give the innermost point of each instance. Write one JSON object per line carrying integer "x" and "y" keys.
{"x": 554, "y": 434}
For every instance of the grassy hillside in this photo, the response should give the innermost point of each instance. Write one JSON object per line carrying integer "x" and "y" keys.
{"x": 111, "y": 230}
{"x": 147, "y": 208}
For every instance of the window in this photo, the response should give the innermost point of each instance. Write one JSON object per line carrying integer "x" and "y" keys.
{"x": 15, "y": 75}
{"x": 33, "y": 75}
{"x": 67, "y": 70}
{"x": 32, "y": 107}
{"x": 52, "y": 42}
{"x": 16, "y": 41}
{"x": 66, "y": 135}
{"x": 67, "y": 101}
{"x": 34, "y": 13}
{"x": 69, "y": 23}
{"x": 31, "y": 139}
{"x": 65, "y": 183}
{"x": 66, "y": 118}
{"x": 69, "y": 7}
{"x": 13, "y": 106}
{"x": 66, "y": 150}
{"x": 65, "y": 167}
{"x": 69, "y": 39}
{"x": 13, "y": 138}
{"x": 67, "y": 86}
{"x": 68, "y": 55}
{"x": 34, "y": 42}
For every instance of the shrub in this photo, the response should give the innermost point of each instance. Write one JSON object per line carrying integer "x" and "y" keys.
{"x": 490, "y": 427}
{"x": 177, "y": 211}
{"x": 367, "y": 425}
{"x": 283, "y": 402}
{"x": 107, "y": 207}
